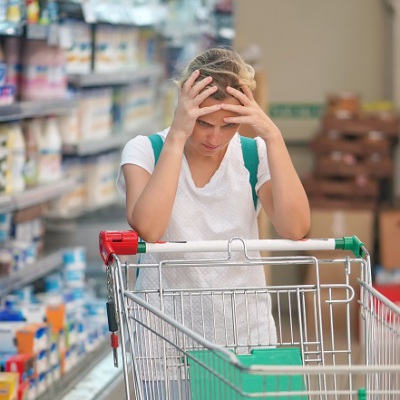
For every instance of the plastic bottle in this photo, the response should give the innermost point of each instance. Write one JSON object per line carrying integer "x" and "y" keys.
{"x": 50, "y": 152}
{"x": 32, "y": 133}
{"x": 17, "y": 148}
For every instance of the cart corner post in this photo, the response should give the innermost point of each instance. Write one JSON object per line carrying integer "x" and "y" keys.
{"x": 119, "y": 243}
{"x": 351, "y": 243}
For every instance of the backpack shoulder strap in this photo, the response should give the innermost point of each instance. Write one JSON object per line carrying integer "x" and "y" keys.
{"x": 157, "y": 144}
{"x": 250, "y": 157}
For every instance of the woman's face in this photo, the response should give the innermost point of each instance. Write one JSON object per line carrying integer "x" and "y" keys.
{"x": 211, "y": 134}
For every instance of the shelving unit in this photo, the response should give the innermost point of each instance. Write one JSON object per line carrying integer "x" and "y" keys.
{"x": 94, "y": 377}
{"x": 37, "y": 195}
{"x": 61, "y": 389}
{"x": 115, "y": 78}
{"x": 31, "y": 109}
{"x": 42, "y": 267}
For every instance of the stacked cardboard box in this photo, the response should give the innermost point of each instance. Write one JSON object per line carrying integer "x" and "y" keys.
{"x": 352, "y": 177}
{"x": 353, "y": 160}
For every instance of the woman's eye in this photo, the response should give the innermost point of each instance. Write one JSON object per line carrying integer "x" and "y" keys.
{"x": 202, "y": 123}
{"x": 230, "y": 125}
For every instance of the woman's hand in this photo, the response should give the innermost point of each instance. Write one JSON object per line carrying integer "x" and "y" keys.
{"x": 283, "y": 196}
{"x": 250, "y": 113}
{"x": 188, "y": 109}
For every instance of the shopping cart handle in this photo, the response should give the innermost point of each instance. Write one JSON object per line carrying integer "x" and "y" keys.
{"x": 127, "y": 243}
{"x": 118, "y": 243}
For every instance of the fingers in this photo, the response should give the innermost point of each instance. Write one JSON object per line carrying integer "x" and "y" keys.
{"x": 205, "y": 94}
{"x": 209, "y": 110}
{"x": 193, "y": 88}
{"x": 244, "y": 96}
{"x": 189, "y": 83}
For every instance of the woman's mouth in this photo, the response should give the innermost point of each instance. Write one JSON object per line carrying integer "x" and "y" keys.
{"x": 208, "y": 147}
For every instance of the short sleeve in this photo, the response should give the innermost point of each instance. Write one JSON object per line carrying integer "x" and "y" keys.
{"x": 137, "y": 151}
{"x": 263, "y": 174}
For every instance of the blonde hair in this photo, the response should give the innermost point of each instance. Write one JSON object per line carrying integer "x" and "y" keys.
{"x": 225, "y": 66}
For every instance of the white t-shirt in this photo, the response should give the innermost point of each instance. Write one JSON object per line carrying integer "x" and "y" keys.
{"x": 222, "y": 209}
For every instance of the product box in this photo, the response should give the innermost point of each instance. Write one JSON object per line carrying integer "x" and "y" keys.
{"x": 55, "y": 316}
{"x": 327, "y": 223}
{"x": 33, "y": 338}
{"x": 23, "y": 364}
{"x": 336, "y": 223}
{"x": 391, "y": 292}
{"x": 389, "y": 238}
{"x": 8, "y": 331}
{"x": 8, "y": 386}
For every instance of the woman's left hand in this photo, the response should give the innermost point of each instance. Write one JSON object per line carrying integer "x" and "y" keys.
{"x": 249, "y": 113}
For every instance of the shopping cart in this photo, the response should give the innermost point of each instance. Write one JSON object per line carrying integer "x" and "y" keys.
{"x": 171, "y": 342}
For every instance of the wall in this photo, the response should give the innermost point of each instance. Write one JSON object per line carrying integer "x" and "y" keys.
{"x": 311, "y": 48}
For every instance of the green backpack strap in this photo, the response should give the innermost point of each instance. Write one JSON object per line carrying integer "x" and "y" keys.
{"x": 250, "y": 157}
{"x": 157, "y": 144}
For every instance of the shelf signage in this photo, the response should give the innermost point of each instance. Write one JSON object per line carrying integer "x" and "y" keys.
{"x": 296, "y": 110}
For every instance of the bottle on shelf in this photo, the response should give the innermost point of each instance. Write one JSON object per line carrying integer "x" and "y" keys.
{"x": 50, "y": 147}
{"x": 32, "y": 133}
{"x": 15, "y": 181}
{"x": 16, "y": 145}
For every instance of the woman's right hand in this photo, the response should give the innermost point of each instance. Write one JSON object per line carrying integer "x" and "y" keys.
{"x": 188, "y": 109}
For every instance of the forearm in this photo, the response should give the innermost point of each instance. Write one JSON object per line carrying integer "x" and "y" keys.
{"x": 152, "y": 210}
{"x": 290, "y": 209}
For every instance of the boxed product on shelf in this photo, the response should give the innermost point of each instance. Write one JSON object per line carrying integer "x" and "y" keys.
{"x": 100, "y": 179}
{"x": 115, "y": 48}
{"x": 134, "y": 104}
{"x": 43, "y": 71}
{"x": 23, "y": 364}
{"x": 33, "y": 338}
{"x": 7, "y": 94}
{"x": 8, "y": 385}
{"x": 95, "y": 113}
{"x": 79, "y": 53}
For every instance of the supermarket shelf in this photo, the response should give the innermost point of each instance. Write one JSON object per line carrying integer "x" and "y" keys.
{"x": 100, "y": 383}
{"x": 115, "y": 141}
{"x": 121, "y": 14}
{"x": 8, "y": 28}
{"x": 59, "y": 219}
{"x": 31, "y": 109}
{"x": 115, "y": 78}
{"x": 66, "y": 383}
{"x": 31, "y": 273}
{"x": 90, "y": 147}
{"x": 37, "y": 195}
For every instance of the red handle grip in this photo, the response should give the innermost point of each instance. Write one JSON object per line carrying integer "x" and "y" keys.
{"x": 117, "y": 242}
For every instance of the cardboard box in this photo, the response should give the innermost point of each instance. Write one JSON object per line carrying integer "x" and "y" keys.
{"x": 389, "y": 238}
{"x": 8, "y": 385}
{"x": 23, "y": 364}
{"x": 336, "y": 224}
{"x": 33, "y": 338}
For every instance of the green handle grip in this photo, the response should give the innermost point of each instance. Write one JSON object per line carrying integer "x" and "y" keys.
{"x": 351, "y": 243}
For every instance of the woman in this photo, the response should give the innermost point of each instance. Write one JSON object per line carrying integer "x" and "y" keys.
{"x": 199, "y": 190}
